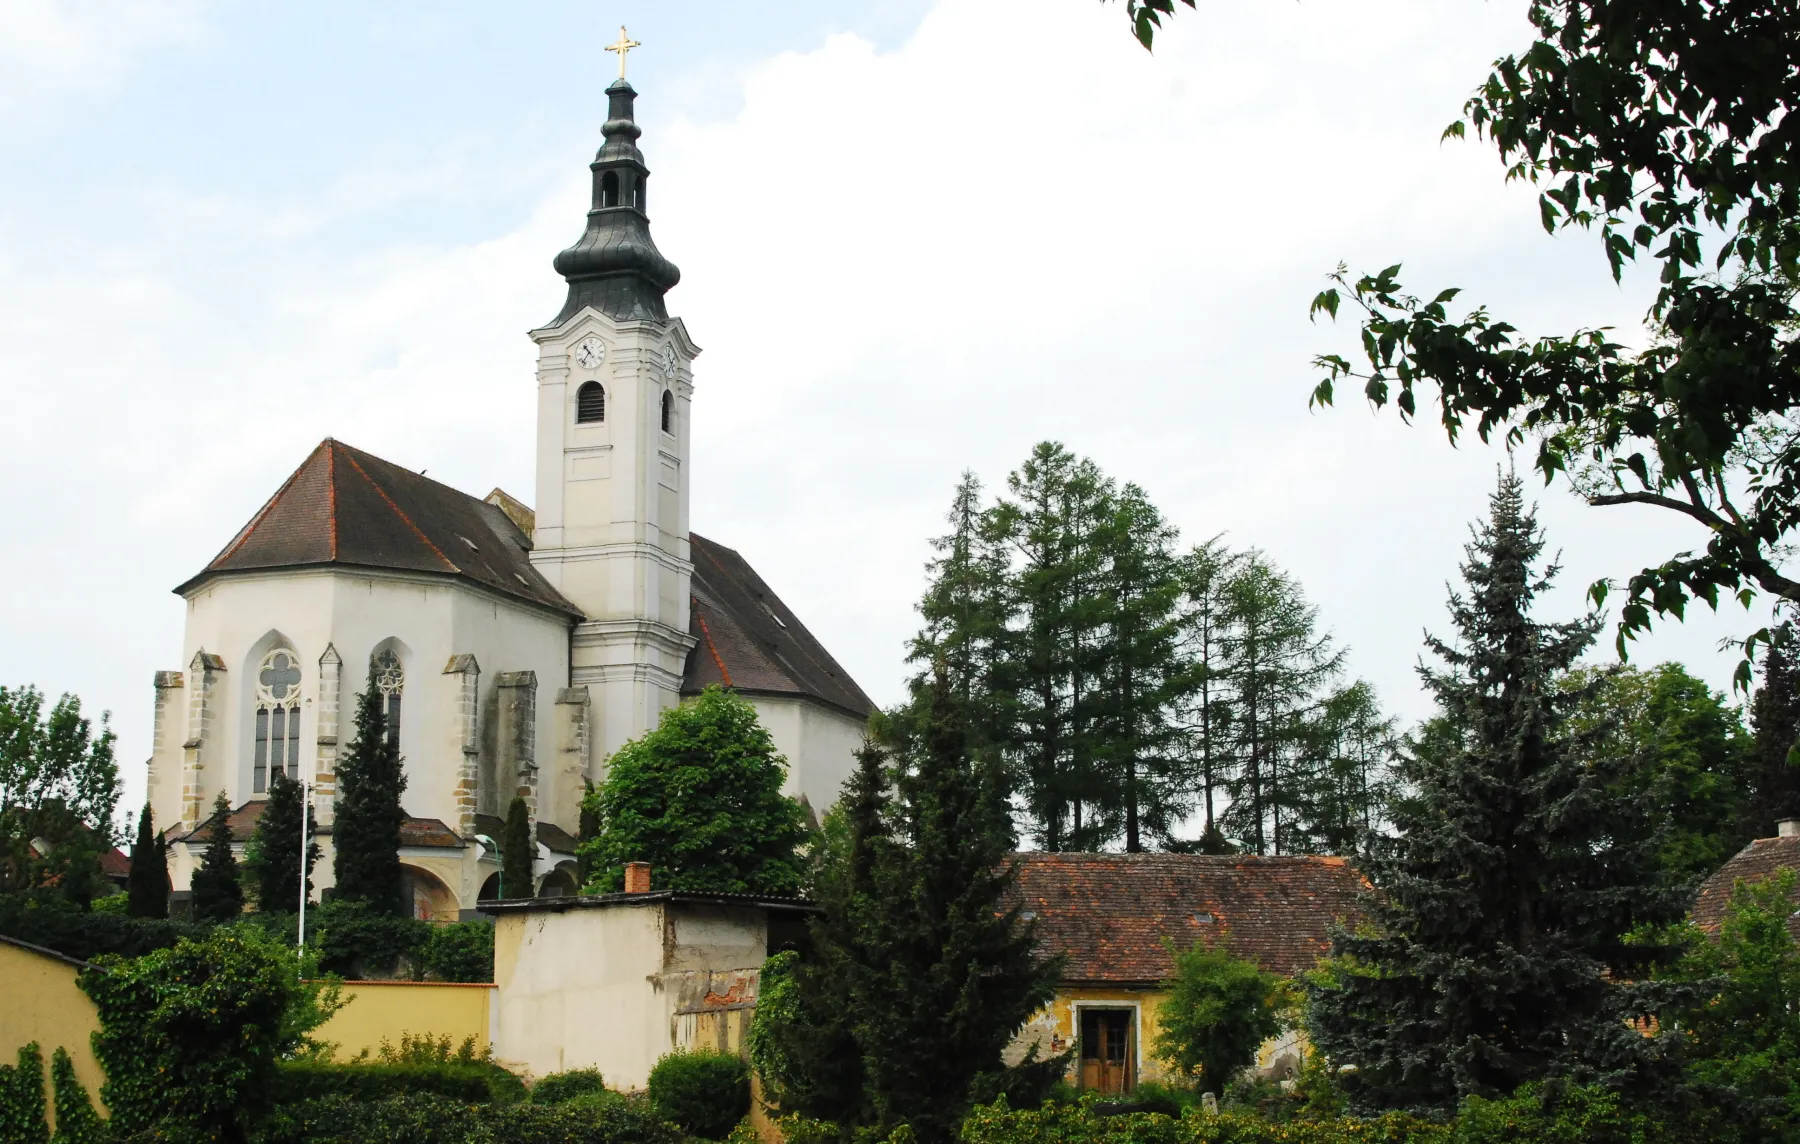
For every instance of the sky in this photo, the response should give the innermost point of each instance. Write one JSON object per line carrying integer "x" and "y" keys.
{"x": 916, "y": 237}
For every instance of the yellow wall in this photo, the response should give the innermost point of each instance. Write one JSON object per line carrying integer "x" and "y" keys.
{"x": 39, "y": 1001}
{"x": 387, "y": 1010}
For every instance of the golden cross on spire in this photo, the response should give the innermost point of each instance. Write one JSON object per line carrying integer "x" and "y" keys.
{"x": 625, "y": 44}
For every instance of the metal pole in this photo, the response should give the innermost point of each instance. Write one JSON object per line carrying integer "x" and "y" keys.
{"x": 300, "y": 930}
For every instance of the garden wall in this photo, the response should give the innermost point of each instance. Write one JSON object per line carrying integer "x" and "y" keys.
{"x": 387, "y": 1010}
{"x": 39, "y": 1001}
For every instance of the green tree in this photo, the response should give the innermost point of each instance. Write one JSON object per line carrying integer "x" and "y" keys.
{"x": 365, "y": 829}
{"x": 217, "y": 896}
{"x": 1666, "y": 126}
{"x": 1680, "y": 744}
{"x": 1277, "y": 663}
{"x": 1219, "y": 1011}
{"x": 190, "y": 1035}
{"x": 517, "y": 853}
{"x": 1348, "y": 748}
{"x": 59, "y": 785}
{"x": 699, "y": 798}
{"x": 1203, "y": 709}
{"x": 272, "y": 856}
{"x": 1498, "y": 951}
{"x": 1775, "y": 723}
{"x": 148, "y": 884}
{"x": 586, "y": 830}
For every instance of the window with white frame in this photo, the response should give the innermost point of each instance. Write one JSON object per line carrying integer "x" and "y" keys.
{"x": 390, "y": 680}
{"x": 277, "y": 718}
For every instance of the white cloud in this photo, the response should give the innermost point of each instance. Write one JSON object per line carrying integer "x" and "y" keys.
{"x": 50, "y": 48}
{"x": 1015, "y": 225}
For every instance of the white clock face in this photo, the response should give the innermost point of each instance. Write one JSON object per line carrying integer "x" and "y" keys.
{"x": 669, "y": 360}
{"x": 590, "y": 352}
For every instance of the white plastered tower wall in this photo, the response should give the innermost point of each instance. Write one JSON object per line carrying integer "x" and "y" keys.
{"x": 612, "y": 513}
{"x": 334, "y": 620}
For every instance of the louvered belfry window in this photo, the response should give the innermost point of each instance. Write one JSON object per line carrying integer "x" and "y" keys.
{"x": 590, "y": 402}
{"x": 277, "y": 718}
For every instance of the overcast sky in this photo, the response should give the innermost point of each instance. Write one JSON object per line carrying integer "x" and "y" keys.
{"x": 915, "y": 237}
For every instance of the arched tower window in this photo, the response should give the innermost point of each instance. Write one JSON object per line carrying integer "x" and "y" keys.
{"x": 277, "y": 718}
{"x": 590, "y": 402}
{"x": 668, "y": 411}
{"x": 609, "y": 189}
{"x": 637, "y": 193}
{"x": 390, "y": 680}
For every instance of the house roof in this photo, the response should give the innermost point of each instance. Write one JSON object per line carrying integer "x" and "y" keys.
{"x": 1110, "y": 913}
{"x": 748, "y": 640}
{"x": 1754, "y": 863}
{"x": 345, "y": 507}
{"x": 420, "y": 833}
{"x": 562, "y": 903}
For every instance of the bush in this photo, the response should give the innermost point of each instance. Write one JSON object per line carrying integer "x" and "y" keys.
{"x": 704, "y": 1093}
{"x": 1081, "y": 1123}
{"x": 592, "y": 1119}
{"x": 22, "y": 1097}
{"x": 460, "y": 951}
{"x": 84, "y": 936}
{"x": 1220, "y": 1009}
{"x": 357, "y": 941}
{"x": 558, "y": 1087}
{"x": 472, "y": 1083}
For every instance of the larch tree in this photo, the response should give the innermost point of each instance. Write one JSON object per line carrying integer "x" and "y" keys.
{"x": 1203, "y": 709}
{"x": 218, "y": 896}
{"x": 1500, "y": 949}
{"x": 365, "y": 829}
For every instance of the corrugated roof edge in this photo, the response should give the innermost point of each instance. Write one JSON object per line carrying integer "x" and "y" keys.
{"x": 688, "y": 897}
{"x": 62, "y": 957}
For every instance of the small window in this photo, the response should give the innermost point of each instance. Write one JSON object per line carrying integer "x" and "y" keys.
{"x": 590, "y": 402}
{"x": 637, "y": 194}
{"x": 609, "y": 189}
{"x": 668, "y": 411}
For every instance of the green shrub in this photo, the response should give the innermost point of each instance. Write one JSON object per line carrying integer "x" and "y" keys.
{"x": 55, "y": 925}
{"x": 359, "y": 942}
{"x": 76, "y": 1120}
{"x": 1081, "y": 1124}
{"x": 420, "y": 1119}
{"x": 22, "y": 1099}
{"x": 704, "y": 1093}
{"x": 298, "y": 1081}
{"x": 558, "y": 1087}
{"x": 460, "y": 951}
{"x": 1220, "y": 1009}
{"x": 115, "y": 904}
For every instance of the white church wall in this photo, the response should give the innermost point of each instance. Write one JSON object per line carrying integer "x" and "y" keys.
{"x": 424, "y": 619}
{"x": 819, "y": 743}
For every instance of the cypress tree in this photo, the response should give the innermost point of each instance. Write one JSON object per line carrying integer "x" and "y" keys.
{"x": 365, "y": 829}
{"x": 218, "y": 897}
{"x": 1497, "y": 951}
{"x": 586, "y": 830}
{"x": 516, "y": 853}
{"x": 272, "y": 856}
{"x": 148, "y": 883}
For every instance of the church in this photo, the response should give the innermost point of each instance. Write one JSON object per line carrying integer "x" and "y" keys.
{"x": 515, "y": 649}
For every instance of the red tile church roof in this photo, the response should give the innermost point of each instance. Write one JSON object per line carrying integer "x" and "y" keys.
{"x": 1110, "y": 913}
{"x": 349, "y": 508}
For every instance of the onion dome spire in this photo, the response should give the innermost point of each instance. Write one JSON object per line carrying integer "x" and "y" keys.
{"x": 615, "y": 266}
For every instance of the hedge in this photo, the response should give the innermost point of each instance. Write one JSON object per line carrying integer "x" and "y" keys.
{"x": 1084, "y": 1124}
{"x": 299, "y": 1081}
{"x": 85, "y": 936}
{"x": 706, "y": 1093}
{"x": 596, "y": 1119}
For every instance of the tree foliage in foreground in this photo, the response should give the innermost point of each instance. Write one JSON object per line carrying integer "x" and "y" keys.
{"x": 148, "y": 882}
{"x": 217, "y": 894}
{"x": 922, "y": 969}
{"x": 273, "y": 857}
{"x": 367, "y": 816}
{"x": 699, "y": 798}
{"x": 1498, "y": 952}
{"x": 59, "y": 785}
{"x": 1219, "y": 1011}
{"x": 1671, "y": 129}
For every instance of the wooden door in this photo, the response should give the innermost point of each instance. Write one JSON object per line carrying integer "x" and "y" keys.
{"x": 1108, "y": 1050}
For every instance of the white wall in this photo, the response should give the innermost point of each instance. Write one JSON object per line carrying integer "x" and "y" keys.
{"x": 819, "y": 743}
{"x": 240, "y": 617}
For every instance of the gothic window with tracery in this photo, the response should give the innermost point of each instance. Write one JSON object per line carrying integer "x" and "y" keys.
{"x": 390, "y": 680}
{"x": 277, "y": 718}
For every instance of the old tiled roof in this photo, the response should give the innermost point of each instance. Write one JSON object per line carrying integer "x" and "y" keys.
{"x": 345, "y": 507}
{"x": 747, "y": 639}
{"x": 426, "y": 833}
{"x": 1754, "y": 863}
{"x": 1109, "y": 913}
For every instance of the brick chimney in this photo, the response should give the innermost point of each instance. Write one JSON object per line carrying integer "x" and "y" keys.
{"x": 1788, "y": 828}
{"x": 637, "y": 877}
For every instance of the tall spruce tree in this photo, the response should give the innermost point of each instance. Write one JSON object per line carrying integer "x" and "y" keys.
{"x": 365, "y": 829}
{"x": 272, "y": 857}
{"x": 147, "y": 886}
{"x": 1775, "y": 723}
{"x": 1497, "y": 950}
{"x": 516, "y": 853}
{"x": 217, "y": 894}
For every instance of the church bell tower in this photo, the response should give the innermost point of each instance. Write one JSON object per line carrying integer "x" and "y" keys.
{"x": 615, "y": 384}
